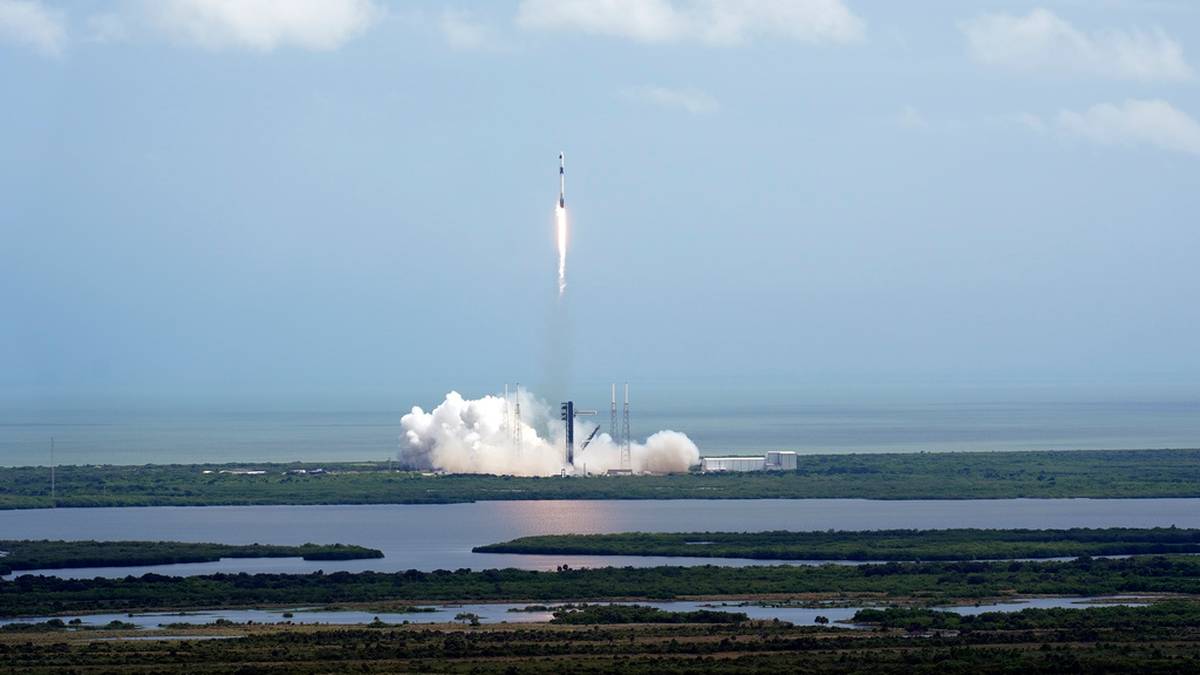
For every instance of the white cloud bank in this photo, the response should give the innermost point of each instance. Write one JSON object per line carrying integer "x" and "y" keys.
{"x": 31, "y": 24}
{"x": 1043, "y": 41}
{"x": 694, "y": 101}
{"x": 472, "y": 436}
{"x": 263, "y": 25}
{"x": 1156, "y": 123}
{"x": 714, "y": 22}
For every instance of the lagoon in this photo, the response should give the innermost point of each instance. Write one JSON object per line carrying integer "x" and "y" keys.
{"x": 440, "y": 536}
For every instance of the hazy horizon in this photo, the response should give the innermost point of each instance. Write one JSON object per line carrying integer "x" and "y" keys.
{"x": 821, "y": 201}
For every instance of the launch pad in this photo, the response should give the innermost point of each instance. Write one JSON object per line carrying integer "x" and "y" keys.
{"x": 568, "y": 413}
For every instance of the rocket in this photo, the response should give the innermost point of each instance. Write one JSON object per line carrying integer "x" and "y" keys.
{"x": 562, "y": 182}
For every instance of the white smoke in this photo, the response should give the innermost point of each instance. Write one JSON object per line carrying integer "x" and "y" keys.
{"x": 476, "y": 436}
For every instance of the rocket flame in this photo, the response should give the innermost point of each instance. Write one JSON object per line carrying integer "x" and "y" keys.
{"x": 560, "y": 219}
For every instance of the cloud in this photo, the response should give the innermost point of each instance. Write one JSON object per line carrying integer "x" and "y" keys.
{"x": 107, "y": 28}
{"x": 463, "y": 31}
{"x": 911, "y": 118}
{"x": 694, "y": 101}
{"x": 1156, "y": 123}
{"x": 31, "y": 24}
{"x": 714, "y": 22}
{"x": 1043, "y": 41}
{"x": 263, "y": 25}
{"x": 1031, "y": 122}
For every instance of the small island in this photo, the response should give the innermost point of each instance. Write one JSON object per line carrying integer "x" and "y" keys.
{"x": 872, "y": 545}
{"x": 45, "y": 554}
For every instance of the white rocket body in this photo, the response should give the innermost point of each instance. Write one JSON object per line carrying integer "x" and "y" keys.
{"x": 562, "y": 182}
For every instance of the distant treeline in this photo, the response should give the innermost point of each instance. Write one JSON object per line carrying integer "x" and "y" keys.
{"x": 46, "y": 554}
{"x": 963, "y": 475}
{"x": 954, "y": 544}
{"x": 927, "y": 583}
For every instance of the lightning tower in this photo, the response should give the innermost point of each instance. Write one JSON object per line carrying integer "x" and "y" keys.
{"x": 626, "y": 460}
{"x": 612, "y": 422}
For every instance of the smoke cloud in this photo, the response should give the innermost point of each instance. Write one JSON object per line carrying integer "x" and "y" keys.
{"x": 477, "y": 436}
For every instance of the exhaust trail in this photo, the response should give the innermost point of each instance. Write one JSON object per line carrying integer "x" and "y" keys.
{"x": 560, "y": 219}
{"x": 560, "y": 222}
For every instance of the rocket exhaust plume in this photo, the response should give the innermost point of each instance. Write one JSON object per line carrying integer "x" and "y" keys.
{"x": 476, "y": 436}
{"x": 519, "y": 436}
{"x": 560, "y": 221}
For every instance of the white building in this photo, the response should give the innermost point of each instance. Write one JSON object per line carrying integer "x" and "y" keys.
{"x": 775, "y": 460}
{"x": 781, "y": 460}
{"x": 714, "y": 464}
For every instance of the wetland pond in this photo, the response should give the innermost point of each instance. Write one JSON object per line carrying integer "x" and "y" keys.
{"x": 515, "y": 613}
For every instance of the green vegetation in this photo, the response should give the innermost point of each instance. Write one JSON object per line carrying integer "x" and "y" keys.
{"x": 617, "y": 614}
{"x": 1147, "y": 640}
{"x": 470, "y": 618}
{"x": 926, "y": 583}
{"x": 52, "y": 624}
{"x": 59, "y": 624}
{"x": 45, "y": 554}
{"x": 960, "y": 544}
{"x": 983, "y": 475}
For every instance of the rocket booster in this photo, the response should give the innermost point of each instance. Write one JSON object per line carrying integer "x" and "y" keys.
{"x": 562, "y": 182}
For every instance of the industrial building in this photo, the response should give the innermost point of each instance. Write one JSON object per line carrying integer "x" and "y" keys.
{"x": 775, "y": 460}
{"x": 716, "y": 464}
{"x": 781, "y": 460}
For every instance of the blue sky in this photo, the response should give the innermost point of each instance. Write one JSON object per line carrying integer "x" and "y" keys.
{"x": 353, "y": 198}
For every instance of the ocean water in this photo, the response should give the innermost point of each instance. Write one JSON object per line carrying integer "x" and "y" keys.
{"x": 181, "y": 434}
